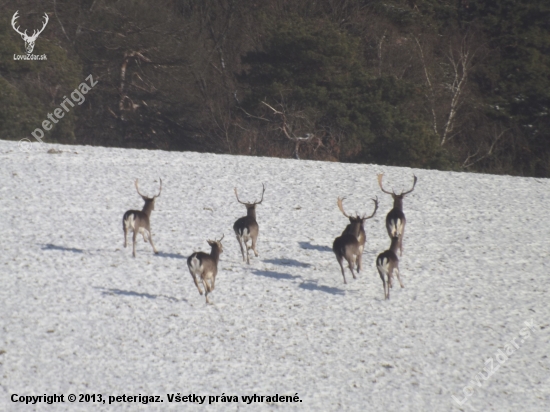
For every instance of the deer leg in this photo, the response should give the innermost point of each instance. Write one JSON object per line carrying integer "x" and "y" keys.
{"x": 125, "y": 237}
{"x": 134, "y": 243}
{"x": 398, "y": 278}
{"x": 383, "y": 282}
{"x": 340, "y": 261}
{"x": 241, "y": 245}
{"x": 247, "y": 254}
{"x": 151, "y": 241}
{"x": 359, "y": 261}
{"x": 254, "y": 246}
{"x": 207, "y": 290}
{"x": 196, "y": 283}
{"x": 350, "y": 264}
{"x": 401, "y": 241}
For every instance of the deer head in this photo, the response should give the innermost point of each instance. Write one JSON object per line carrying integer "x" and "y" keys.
{"x": 149, "y": 201}
{"x": 250, "y": 207}
{"x": 29, "y": 40}
{"x": 397, "y": 199}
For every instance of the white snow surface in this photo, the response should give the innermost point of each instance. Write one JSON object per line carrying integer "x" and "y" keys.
{"x": 80, "y": 315}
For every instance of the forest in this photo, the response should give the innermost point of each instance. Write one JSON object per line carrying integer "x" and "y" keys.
{"x": 458, "y": 85}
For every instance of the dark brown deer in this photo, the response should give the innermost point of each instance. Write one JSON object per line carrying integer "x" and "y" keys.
{"x": 351, "y": 243}
{"x": 395, "y": 220}
{"x": 356, "y": 225}
{"x": 387, "y": 264}
{"x": 139, "y": 221}
{"x": 246, "y": 228}
{"x": 204, "y": 266}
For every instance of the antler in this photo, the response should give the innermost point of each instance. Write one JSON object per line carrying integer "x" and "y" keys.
{"x": 160, "y": 190}
{"x": 375, "y": 208}
{"x": 414, "y": 184}
{"x": 137, "y": 188}
{"x": 254, "y": 203}
{"x": 380, "y": 176}
{"x": 236, "y": 194}
{"x": 14, "y": 18}
{"x": 262, "y": 199}
{"x": 37, "y": 32}
{"x": 221, "y": 238}
{"x": 341, "y": 207}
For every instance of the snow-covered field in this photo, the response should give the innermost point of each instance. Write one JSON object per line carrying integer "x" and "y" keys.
{"x": 79, "y": 315}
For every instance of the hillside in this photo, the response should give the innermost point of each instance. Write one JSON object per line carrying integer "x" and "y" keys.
{"x": 79, "y": 315}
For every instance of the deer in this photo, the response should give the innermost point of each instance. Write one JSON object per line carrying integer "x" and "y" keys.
{"x": 204, "y": 266}
{"x": 139, "y": 221}
{"x": 351, "y": 243}
{"x": 246, "y": 228}
{"x": 29, "y": 40}
{"x": 356, "y": 225}
{"x": 387, "y": 264}
{"x": 395, "y": 219}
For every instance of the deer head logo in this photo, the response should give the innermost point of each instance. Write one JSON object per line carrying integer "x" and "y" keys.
{"x": 29, "y": 40}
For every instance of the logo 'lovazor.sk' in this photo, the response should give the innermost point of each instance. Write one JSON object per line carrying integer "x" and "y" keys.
{"x": 29, "y": 40}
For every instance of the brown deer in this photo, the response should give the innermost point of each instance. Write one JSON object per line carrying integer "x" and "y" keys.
{"x": 395, "y": 219}
{"x": 246, "y": 228}
{"x": 204, "y": 266}
{"x": 139, "y": 221}
{"x": 387, "y": 264}
{"x": 351, "y": 243}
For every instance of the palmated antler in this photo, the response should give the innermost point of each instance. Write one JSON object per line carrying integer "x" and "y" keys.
{"x": 254, "y": 203}
{"x": 341, "y": 206}
{"x": 375, "y": 208}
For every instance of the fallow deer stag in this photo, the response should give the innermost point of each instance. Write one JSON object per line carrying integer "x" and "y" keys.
{"x": 395, "y": 220}
{"x": 138, "y": 221}
{"x": 351, "y": 243}
{"x": 246, "y": 228}
{"x": 387, "y": 264}
{"x": 356, "y": 225}
{"x": 204, "y": 266}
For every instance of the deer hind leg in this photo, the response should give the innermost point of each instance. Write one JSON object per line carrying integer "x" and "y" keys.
{"x": 134, "y": 243}
{"x": 125, "y": 236}
{"x": 241, "y": 245}
{"x": 396, "y": 270}
{"x": 196, "y": 283}
{"x": 382, "y": 276}
{"x": 351, "y": 261}
{"x": 401, "y": 240}
{"x": 247, "y": 249}
{"x": 340, "y": 261}
{"x": 254, "y": 246}
{"x": 207, "y": 289}
{"x": 151, "y": 241}
{"x": 359, "y": 260}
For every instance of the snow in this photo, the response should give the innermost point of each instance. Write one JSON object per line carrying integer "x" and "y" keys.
{"x": 80, "y": 315}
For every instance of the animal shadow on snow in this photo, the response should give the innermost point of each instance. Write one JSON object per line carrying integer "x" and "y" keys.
{"x": 309, "y": 246}
{"x": 50, "y": 246}
{"x": 275, "y": 275}
{"x": 110, "y": 292}
{"x": 312, "y": 285}
{"x": 287, "y": 262}
{"x": 171, "y": 255}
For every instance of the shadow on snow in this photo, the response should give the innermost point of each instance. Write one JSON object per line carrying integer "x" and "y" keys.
{"x": 309, "y": 246}
{"x": 110, "y": 292}
{"x": 50, "y": 246}
{"x": 287, "y": 262}
{"x": 275, "y": 275}
{"x": 312, "y": 285}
